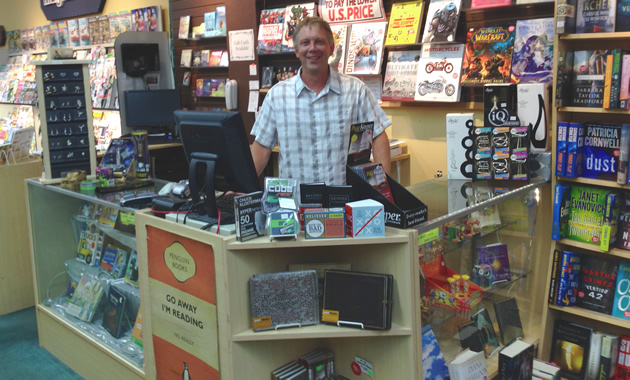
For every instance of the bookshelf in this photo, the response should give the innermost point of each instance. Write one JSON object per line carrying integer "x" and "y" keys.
{"x": 599, "y": 321}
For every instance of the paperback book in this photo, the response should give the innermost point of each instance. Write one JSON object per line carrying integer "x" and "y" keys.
{"x": 131, "y": 273}
{"x": 468, "y": 364}
{"x": 570, "y": 349}
{"x": 565, "y": 16}
{"x": 184, "y": 27}
{"x": 588, "y": 205}
{"x": 561, "y": 210}
{"x": 439, "y": 73}
{"x": 601, "y": 151}
{"x": 509, "y": 320}
{"x": 293, "y": 14}
{"x": 595, "y": 16}
{"x": 488, "y": 55}
{"x": 433, "y": 363}
{"x": 621, "y": 304}
{"x": 400, "y": 75}
{"x": 270, "y": 31}
{"x": 623, "y": 226}
{"x": 564, "y": 78}
{"x": 85, "y": 299}
{"x": 598, "y": 279}
{"x": 622, "y": 368}
{"x": 624, "y": 89}
{"x": 442, "y": 20}
{"x": 516, "y": 361}
{"x": 532, "y": 60}
{"x": 496, "y": 256}
{"x": 622, "y": 16}
{"x": 114, "y": 312}
{"x": 568, "y": 279}
{"x": 365, "y": 48}
{"x": 489, "y": 340}
{"x": 338, "y": 59}
{"x": 589, "y": 69}
{"x": 404, "y": 23}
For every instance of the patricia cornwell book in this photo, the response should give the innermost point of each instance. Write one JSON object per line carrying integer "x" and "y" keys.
{"x": 586, "y": 216}
{"x": 488, "y": 55}
{"x": 600, "y": 157}
{"x": 596, "y": 289}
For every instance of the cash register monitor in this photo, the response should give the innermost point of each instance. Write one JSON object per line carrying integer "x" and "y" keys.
{"x": 152, "y": 110}
{"x": 217, "y": 149}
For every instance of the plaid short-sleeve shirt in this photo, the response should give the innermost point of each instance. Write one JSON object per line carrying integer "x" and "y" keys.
{"x": 313, "y": 130}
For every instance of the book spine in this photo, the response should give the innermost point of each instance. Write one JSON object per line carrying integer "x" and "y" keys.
{"x": 555, "y": 272}
{"x": 623, "y": 358}
{"x": 624, "y": 95}
{"x": 615, "y": 85}
{"x": 608, "y": 80}
{"x": 568, "y": 279}
{"x": 561, "y": 149}
{"x": 608, "y": 358}
{"x": 575, "y": 143}
{"x": 561, "y": 208}
{"x": 592, "y": 369}
{"x": 565, "y": 19}
{"x": 624, "y": 152}
{"x": 609, "y": 222}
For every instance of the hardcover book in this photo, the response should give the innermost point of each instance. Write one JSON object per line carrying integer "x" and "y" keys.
{"x": 400, "y": 75}
{"x": 468, "y": 364}
{"x": 516, "y": 361}
{"x": 623, "y": 227}
{"x": 293, "y": 14}
{"x": 561, "y": 210}
{"x": 555, "y": 276}
{"x": 532, "y": 60}
{"x": 589, "y": 69}
{"x": 496, "y": 256}
{"x": 131, "y": 273}
{"x": 615, "y": 74}
{"x": 594, "y": 355}
{"x": 365, "y": 48}
{"x": 624, "y": 154}
{"x": 270, "y": 31}
{"x": 85, "y": 299}
{"x": 488, "y": 55}
{"x": 622, "y": 23}
{"x": 595, "y": 16}
{"x": 561, "y": 148}
{"x": 433, "y": 363}
{"x": 442, "y": 20}
{"x": 622, "y": 368}
{"x": 439, "y": 72}
{"x": 509, "y": 320}
{"x": 601, "y": 151}
{"x": 404, "y": 23}
{"x": 489, "y": 340}
{"x": 624, "y": 89}
{"x": 565, "y": 16}
{"x": 621, "y": 306}
{"x": 184, "y": 27}
{"x": 564, "y": 79}
{"x": 114, "y": 312}
{"x": 568, "y": 279}
{"x": 588, "y": 206}
{"x": 570, "y": 349}
{"x": 608, "y": 357}
{"x": 596, "y": 289}
{"x": 470, "y": 336}
{"x": 575, "y": 149}
{"x": 338, "y": 59}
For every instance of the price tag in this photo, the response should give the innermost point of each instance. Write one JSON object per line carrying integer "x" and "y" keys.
{"x": 261, "y": 322}
{"x": 330, "y": 316}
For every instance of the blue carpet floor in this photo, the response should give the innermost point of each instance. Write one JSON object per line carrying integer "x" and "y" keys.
{"x": 21, "y": 357}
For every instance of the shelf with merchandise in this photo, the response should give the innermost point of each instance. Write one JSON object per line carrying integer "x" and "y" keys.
{"x": 594, "y": 249}
{"x": 524, "y": 11}
{"x": 593, "y": 110}
{"x": 592, "y": 315}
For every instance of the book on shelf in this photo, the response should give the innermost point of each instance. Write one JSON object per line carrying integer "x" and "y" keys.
{"x": 205, "y": 58}
{"x": 220, "y": 26}
{"x": 131, "y": 272}
{"x": 608, "y": 80}
{"x": 623, "y": 226}
{"x": 114, "y": 26}
{"x": 496, "y": 256}
{"x": 570, "y": 349}
{"x": 39, "y": 42}
{"x": 509, "y": 320}
{"x": 545, "y": 370}
{"x": 196, "y": 59}
{"x": 601, "y": 151}
{"x": 270, "y": 31}
{"x": 442, "y": 19}
{"x": 338, "y": 59}
{"x": 439, "y": 72}
{"x": 588, "y": 205}
{"x": 478, "y": 4}
{"x": 589, "y": 69}
{"x": 433, "y": 362}
{"x": 516, "y": 361}
{"x": 488, "y": 336}
{"x": 624, "y": 154}
{"x": 532, "y": 60}
{"x": 561, "y": 210}
{"x": 103, "y": 27}
{"x": 564, "y": 78}
{"x": 621, "y": 300}
{"x": 565, "y": 16}
{"x": 84, "y": 31}
{"x": 62, "y": 27}
{"x": 609, "y": 225}
{"x": 622, "y": 16}
{"x": 561, "y": 148}
{"x": 555, "y": 276}
{"x": 594, "y": 355}
{"x": 624, "y": 89}
{"x": 622, "y": 367}
{"x": 86, "y": 298}
{"x": 365, "y": 48}
{"x": 124, "y": 20}
{"x": 114, "y": 312}
{"x": 404, "y": 23}
{"x": 470, "y": 336}
{"x": 95, "y": 36}
{"x": 73, "y": 33}
{"x": 615, "y": 77}
{"x": 596, "y": 287}
{"x": 186, "y": 59}
{"x": 209, "y": 23}
{"x": 136, "y": 332}
{"x": 184, "y": 27}
{"x": 575, "y": 148}
{"x": 399, "y": 82}
{"x": 488, "y": 55}
{"x": 595, "y": 17}
{"x": 608, "y": 357}
{"x": 293, "y": 14}
{"x": 467, "y": 365}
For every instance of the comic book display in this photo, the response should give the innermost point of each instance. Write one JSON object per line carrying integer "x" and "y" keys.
{"x": 400, "y": 75}
{"x": 365, "y": 48}
{"x": 442, "y": 19}
{"x": 270, "y": 31}
{"x": 340, "y": 34}
{"x": 293, "y": 14}
{"x": 439, "y": 72}
{"x": 532, "y": 61}
{"x": 488, "y": 55}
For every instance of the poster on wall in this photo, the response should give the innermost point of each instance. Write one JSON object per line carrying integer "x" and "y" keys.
{"x": 183, "y": 306}
{"x": 351, "y": 11}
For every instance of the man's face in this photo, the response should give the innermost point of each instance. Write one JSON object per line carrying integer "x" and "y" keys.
{"x": 313, "y": 49}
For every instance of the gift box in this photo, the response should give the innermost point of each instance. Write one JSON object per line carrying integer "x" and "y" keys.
{"x": 365, "y": 218}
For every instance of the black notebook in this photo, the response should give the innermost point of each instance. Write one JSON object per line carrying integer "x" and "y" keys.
{"x": 361, "y": 299}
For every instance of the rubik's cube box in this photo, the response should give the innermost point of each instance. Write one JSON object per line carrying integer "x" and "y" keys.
{"x": 365, "y": 218}
{"x": 404, "y": 212}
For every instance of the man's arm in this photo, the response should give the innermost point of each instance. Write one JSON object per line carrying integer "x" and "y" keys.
{"x": 261, "y": 155}
{"x": 380, "y": 150}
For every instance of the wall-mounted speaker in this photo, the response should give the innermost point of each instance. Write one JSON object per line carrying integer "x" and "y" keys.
{"x": 3, "y": 36}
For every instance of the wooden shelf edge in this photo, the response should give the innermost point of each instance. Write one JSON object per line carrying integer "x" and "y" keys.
{"x": 319, "y": 331}
{"x": 595, "y": 36}
{"x": 609, "y": 319}
{"x": 595, "y": 182}
{"x": 405, "y": 104}
{"x": 621, "y": 253}
{"x": 594, "y": 110}
{"x": 108, "y": 351}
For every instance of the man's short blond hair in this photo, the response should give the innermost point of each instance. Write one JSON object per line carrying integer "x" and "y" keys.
{"x": 313, "y": 21}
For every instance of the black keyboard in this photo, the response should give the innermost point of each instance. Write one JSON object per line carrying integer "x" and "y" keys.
{"x": 225, "y": 203}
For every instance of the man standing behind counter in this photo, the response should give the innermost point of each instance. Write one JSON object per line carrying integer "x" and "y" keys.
{"x": 309, "y": 115}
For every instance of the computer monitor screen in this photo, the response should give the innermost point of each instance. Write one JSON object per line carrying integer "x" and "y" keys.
{"x": 222, "y": 134}
{"x": 138, "y": 59}
{"x": 152, "y": 110}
